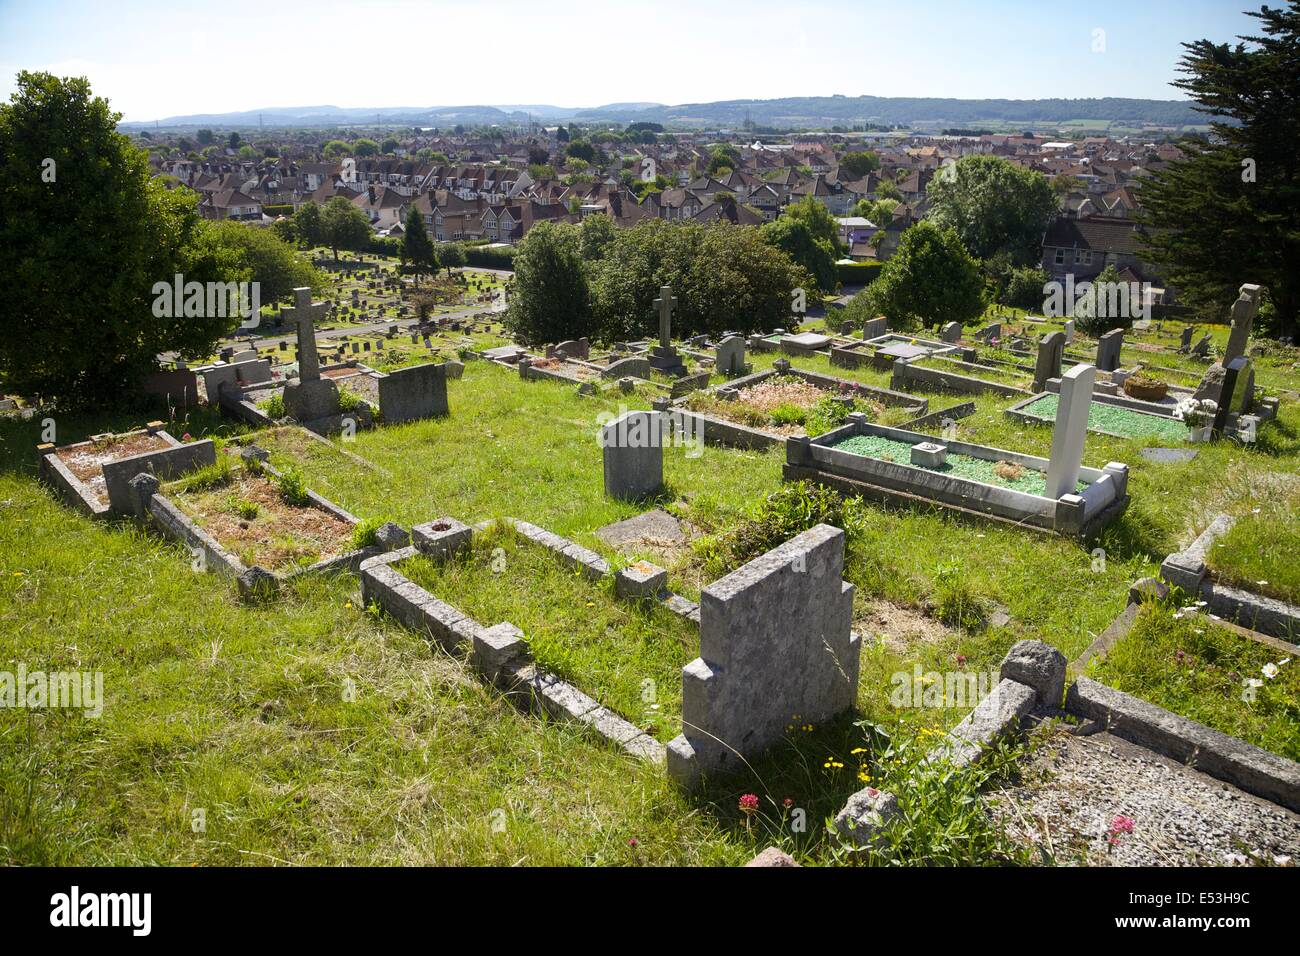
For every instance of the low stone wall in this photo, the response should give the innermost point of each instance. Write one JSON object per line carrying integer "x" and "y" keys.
{"x": 1186, "y": 569}
{"x": 165, "y": 464}
{"x": 71, "y": 489}
{"x": 905, "y": 374}
{"x": 1226, "y": 758}
{"x": 499, "y": 654}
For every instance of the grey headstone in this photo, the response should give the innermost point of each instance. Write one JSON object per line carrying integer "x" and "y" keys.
{"x": 412, "y": 393}
{"x": 1108, "y": 349}
{"x": 632, "y": 446}
{"x": 775, "y": 641}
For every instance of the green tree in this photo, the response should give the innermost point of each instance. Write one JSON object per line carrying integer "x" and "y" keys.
{"x": 819, "y": 221}
{"x": 344, "y": 226}
{"x": 931, "y": 279}
{"x": 417, "y": 254}
{"x": 84, "y": 235}
{"x": 365, "y": 147}
{"x": 258, "y": 254}
{"x": 307, "y": 225}
{"x": 581, "y": 149}
{"x": 860, "y": 163}
{"x": 233, "y": 141}
{"x": 1227, "y": 212}
{"x": 794, "y": 238}
{"x": 334, "y": 149}
{"x": 205, "y": 137}
{"x": 389, "y": 146}
{"x": 452, "y": 256}
{"x": 550, "y": 301}
{"x": 995, "y": 206}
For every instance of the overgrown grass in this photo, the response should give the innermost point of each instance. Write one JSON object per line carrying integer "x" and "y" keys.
{"x": 1261, "y": 551}
{"x": 627, "y": 655}
{"x": 1186, "y": 663}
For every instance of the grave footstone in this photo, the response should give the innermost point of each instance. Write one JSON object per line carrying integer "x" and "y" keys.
{"x": 1070, "y": 430}
{"x": 776, "y": 647}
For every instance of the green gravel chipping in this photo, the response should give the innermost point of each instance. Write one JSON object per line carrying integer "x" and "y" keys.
{"x": 1031, "y": 481}
{"x": 1124, "y": 422}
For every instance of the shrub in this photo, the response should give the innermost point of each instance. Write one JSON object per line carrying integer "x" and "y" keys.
{"x": 274, "y": 406}
{"x": 858, "y": 273}
{"x": 293, "y": 488}
{"x": 349, "y": 401}
{"x": 366, "y": 533}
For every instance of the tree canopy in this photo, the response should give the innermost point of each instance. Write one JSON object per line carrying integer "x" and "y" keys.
{"x": 931, "y": 279}
{"x": 1228, "y": 211}
{"x": 995, "y": 206}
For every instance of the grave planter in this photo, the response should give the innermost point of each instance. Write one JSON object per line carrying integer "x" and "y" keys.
{"x": 1146, "y": 390}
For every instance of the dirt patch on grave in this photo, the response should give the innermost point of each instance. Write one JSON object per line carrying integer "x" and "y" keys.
{"x": 250, "y": 518}
{"x": 785, "y": 405}
{"x": 86, "y": 461}
{"x": 901, "y": 628}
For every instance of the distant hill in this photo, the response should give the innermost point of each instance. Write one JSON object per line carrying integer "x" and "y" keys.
{"x": 812, "y": 112}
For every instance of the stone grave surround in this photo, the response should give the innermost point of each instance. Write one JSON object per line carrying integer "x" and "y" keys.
{"x": 775, "y": 641}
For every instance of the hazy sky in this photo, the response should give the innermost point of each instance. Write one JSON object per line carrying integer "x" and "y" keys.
{"x": 157, "y": 59}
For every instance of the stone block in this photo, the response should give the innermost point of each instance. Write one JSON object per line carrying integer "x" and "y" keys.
{"x": 633, "y": 455}
{"x": 257, "y": 583}
{"x": 443, "y": 538}
{"x": 312, "y": 400}
{"x": 640, "y": 580}
{"x": 1039, "y": 666}
{"x": 494, "y": 648}
{"x": 392, "y": 536}
{"x": 865, "y": 816}
{"x": 772, "y": 857}
{"x": 775, "y": 641}
{"x": 928, "y": 454}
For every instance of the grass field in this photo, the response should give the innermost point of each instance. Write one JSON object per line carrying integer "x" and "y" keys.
{"x": 310, "y": 730}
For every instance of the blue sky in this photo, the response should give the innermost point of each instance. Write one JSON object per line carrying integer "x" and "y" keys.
{"x": 156, "y": 59}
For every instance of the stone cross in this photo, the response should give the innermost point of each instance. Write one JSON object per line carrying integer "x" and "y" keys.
{"x": 304, "y": 312}
{"x": 1070, "y": 430}
{"x": 665, "y": 304}
{"x": 1243, "y": 318}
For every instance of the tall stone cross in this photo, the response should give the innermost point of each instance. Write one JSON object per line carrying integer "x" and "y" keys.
{"x": 665, "y": 304}
{"x": 1244, "y": 311}
{"x": 304, "y": 312}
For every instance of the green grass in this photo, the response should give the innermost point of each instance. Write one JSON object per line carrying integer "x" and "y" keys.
{"x": 1187, "y": 664}
{"x": 1115, "y": 420}
{"x": 1029, "y": 480}
{"x": 627, "y": 655}
{"x": 240, "y": 709}
{"x": 1260, "y": 553}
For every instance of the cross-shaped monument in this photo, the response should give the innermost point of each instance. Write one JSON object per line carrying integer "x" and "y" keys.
{"x": 663, "y": 357}
{"x": 313, "y": 398}
{"x": 303, "y": 313}
{"x": 665, "y": 304}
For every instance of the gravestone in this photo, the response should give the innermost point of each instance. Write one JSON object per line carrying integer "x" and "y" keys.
{"x": 663, "y": 357}
{"x": 1050, "y": 351}
{"x": 573, "y": 348}
{"x": 413, "y": 393}
{"x": 313, "y": 397}
{"x": 776, "y": 648}
{"x": 1069, "y": 331}
{"x": 729, "y": 355}
{"x": 951, "y": 332}
{"x": 990, "y": 332}
{"x": 1185, "y": 339}
{"x": 1070, "y": 430}
{"x": 1244, "y": 311}
{"x": 874, "y": 328}
{"x": 1202, "y": 348}
{"x": 634, "y": 366}
{"x": 632, "y": 446}
{"x": 1214, "y": 385}
{"x": 1108, "y": 348}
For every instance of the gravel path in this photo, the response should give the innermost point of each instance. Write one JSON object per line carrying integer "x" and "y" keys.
{"x": 1075, "y": 786}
